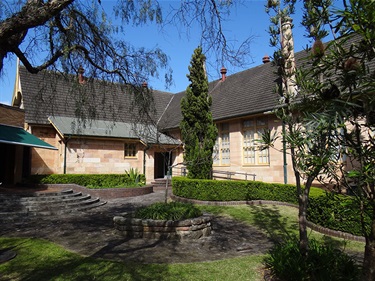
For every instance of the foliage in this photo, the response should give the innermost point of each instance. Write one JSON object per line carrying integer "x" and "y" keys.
{"x": 323, "y": 262}
{"x": 168, "y": 211}
{"x": 225, "y": 190}
{"x": 198, "y": 131}
{"x": 84, "y": 32}
{"x": 338, "y": 212}
{"x": 135, "y": 177}
{"x": 89, "y": 181}
{"x": 80, "y": 33}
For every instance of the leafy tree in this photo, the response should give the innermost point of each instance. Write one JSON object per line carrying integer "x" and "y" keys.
{"x": 198, "y": 131}
{"x": 330, "y": 115}
{"x": 65, "y": 34}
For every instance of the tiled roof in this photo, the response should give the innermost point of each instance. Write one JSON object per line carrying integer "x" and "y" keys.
{"x": 53, "y": 94}
{"x": 70, "y": 126}
{"x": 244, "y": 93}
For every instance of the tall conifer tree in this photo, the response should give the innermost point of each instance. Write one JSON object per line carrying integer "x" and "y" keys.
{"x": 198, "y": 131}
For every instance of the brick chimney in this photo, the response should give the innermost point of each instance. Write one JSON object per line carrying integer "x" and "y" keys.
{"x": 81, "y": 78}
{"x": 266, "y": 59}
{"x": 223, "y": 72}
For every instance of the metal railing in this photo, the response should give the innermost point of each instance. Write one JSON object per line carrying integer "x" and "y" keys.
{"x": 216, "y": 174}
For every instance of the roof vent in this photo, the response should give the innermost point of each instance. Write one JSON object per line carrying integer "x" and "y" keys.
{"x": 266, "y": 59}
{"x": 223, "y": 72}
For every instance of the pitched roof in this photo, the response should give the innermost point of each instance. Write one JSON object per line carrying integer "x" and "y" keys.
{"x": 54, "y": 94}
{"x": 248, "y": 92}
{"x": 70, "y": 126}
{"x": 252, "y": 91}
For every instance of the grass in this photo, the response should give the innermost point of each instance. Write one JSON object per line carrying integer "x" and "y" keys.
{"x": 39, "y": 259}
{"x": 277, "y": 222}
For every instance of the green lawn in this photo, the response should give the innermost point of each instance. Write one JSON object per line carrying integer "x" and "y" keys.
{"x": 38, "y": 259}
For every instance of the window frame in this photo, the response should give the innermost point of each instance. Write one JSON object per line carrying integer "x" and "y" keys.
{"x": 254, "y": 127}
{"x": 131, "y": 148}
{"x": 222, "y": 145}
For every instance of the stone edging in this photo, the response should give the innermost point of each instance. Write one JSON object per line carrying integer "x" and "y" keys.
{"x": 105, "y": 193}
{"x": 315, "y": 227}
{"x": 163, "y": 229}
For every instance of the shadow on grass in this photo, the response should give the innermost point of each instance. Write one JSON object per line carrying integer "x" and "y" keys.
{"x": 269, "y": 219}
{"x": 41, "y": 260}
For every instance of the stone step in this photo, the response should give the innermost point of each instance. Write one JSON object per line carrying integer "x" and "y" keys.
{"x": 22, "y": 215}
{"x": 23, "y": 203}
{"x": 161, "y": 182}
{"x": 16, "y": 207}
{"x": 64, "y": 203}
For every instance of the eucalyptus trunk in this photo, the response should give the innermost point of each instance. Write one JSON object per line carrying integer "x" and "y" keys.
{"x": 303, "y": 201}
{"x": 369, "y": 258}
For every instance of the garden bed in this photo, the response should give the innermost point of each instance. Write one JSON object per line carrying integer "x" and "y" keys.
{"x": 163, "y": 229}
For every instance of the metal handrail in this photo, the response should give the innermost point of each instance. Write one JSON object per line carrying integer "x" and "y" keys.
{"x": 216, "y": 174}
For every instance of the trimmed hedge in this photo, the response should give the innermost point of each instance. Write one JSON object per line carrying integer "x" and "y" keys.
{"x": 89, "y": 181}
{"x": 337, "y": 212}
{"x": 223, "y": 190}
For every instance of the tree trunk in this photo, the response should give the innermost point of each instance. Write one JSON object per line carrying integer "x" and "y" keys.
{"x": 303, "y": 201}
{"x": 369, "y": 259}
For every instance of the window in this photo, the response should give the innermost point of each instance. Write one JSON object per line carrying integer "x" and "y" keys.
{"x": 130, "y": 150}
{"x": 252, "y": 152}
{"x": 221, "y": 154}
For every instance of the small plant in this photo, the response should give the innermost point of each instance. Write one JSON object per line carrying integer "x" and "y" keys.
{"x": 323, "y": 262}
{"x": 134, "y": 176}
{"x": 168, "y": 211}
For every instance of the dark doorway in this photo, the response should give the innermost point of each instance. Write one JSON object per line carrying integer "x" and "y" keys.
{"x": 7, "y": 163}
{"x": 161, "y": 164}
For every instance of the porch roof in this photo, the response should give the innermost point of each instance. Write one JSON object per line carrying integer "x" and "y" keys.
{"x": 148, "y": 134}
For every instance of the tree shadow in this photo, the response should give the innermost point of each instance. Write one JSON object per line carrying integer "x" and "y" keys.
{"x": 269, "y": 219}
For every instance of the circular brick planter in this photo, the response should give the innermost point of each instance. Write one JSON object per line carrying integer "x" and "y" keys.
{"x": 163, "y": 229}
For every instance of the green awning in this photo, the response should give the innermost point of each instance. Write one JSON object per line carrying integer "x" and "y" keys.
{"x": 18, "y": 136}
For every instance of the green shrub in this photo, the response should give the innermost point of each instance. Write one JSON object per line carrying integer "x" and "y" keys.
{"x": 338, "y": 212}
{"x": 168, "y": 211}
{"x": 225, "y": 190}
{"x": 135, "y": 177}
{"x": 323, "y": 263}
{"x": 89, "y": 181}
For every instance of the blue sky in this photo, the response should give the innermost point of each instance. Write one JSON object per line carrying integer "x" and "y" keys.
{"x": 247, "y": 19}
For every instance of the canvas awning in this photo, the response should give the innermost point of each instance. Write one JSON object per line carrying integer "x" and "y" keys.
{"x": 18, "y": 136}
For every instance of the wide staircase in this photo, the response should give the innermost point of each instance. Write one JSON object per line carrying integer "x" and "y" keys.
{"x": 15, "y": 206}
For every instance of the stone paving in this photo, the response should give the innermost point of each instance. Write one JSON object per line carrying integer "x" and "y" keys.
{"x": 91, "y": 233}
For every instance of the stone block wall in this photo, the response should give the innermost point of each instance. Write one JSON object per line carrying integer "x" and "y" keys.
{"x": 163, "y": 229}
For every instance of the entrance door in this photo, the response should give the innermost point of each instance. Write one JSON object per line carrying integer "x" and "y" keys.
{"x": 161, "y": 164}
